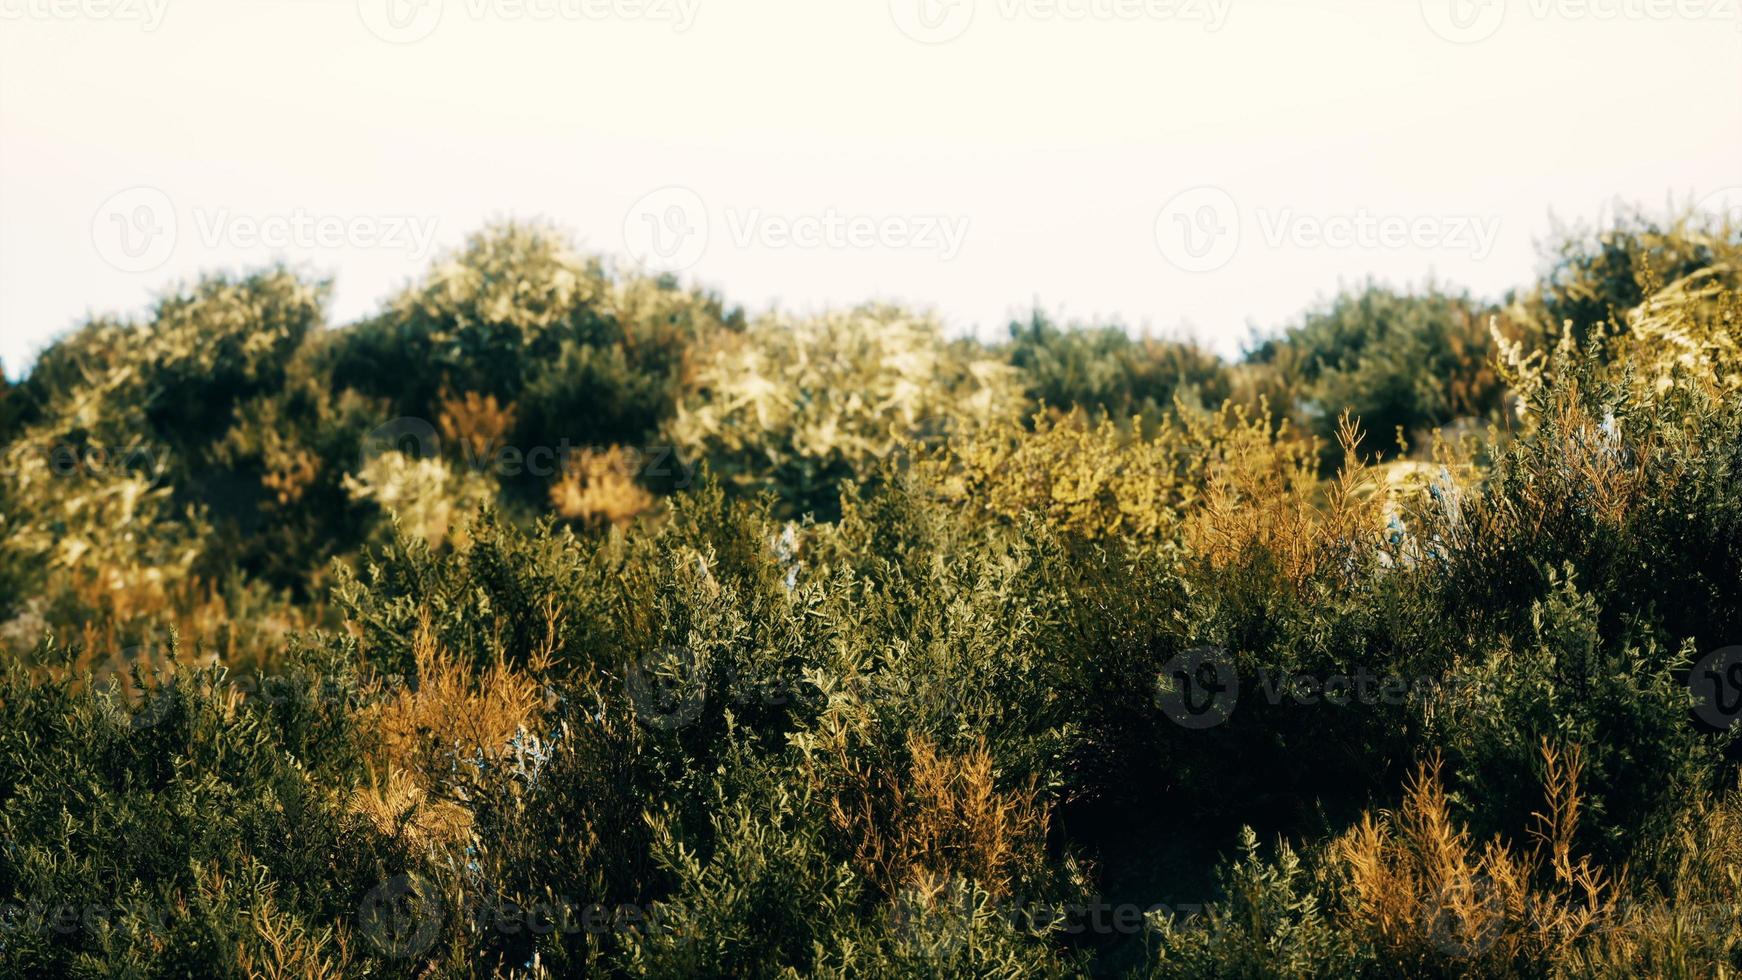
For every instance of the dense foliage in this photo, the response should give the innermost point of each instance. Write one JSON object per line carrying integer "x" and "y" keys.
{"x": 558, "y": 621}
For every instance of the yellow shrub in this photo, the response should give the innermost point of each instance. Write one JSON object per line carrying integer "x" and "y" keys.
{"x": 426, "y": 496}
{"x": 801, "y": 404}
{"x": 1219, "y": 483}
{"x": 1093, "y": 480}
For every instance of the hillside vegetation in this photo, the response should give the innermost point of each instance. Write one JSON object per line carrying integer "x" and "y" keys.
{"x": 560, "y": 621}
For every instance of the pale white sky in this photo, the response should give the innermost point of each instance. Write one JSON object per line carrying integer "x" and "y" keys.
{"x": 1210, "y": 164}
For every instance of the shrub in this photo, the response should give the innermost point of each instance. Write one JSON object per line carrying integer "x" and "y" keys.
{"x": 185, "y": 832}
{"x": 907, "y": 681}
{"x": 1107, "y": 373}
{"x": 1396, "y": 362}
{"x": 801, "y": 406}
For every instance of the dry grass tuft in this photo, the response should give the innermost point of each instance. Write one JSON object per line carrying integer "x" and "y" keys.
{"x": 452, "y": 717}
{"x": 1433, "y": 901}
{"x": 940, "y": 819}
{"x": 475, "y": 422}
{"x": 599, "y": 486}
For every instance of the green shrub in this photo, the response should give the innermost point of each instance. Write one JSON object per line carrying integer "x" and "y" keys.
{"x": 1104, "y": 371}
{"x": 1397, "y": 362}
{"x": 910, "y": 678}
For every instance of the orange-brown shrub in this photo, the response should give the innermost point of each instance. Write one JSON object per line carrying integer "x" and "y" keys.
{"x": 599, "y": 486}
{"x": 1432, "y": 900}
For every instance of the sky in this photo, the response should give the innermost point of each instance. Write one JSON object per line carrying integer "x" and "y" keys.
{"x": 1197, "y": 167}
